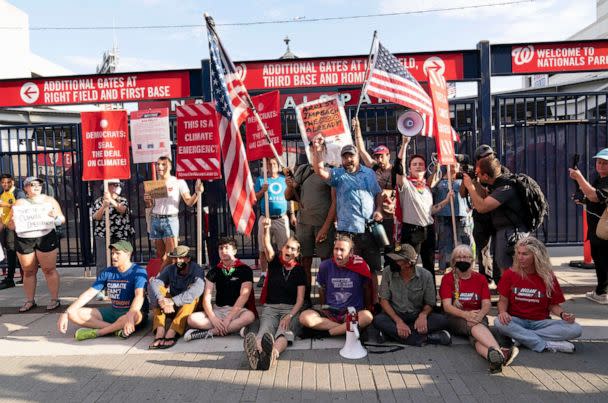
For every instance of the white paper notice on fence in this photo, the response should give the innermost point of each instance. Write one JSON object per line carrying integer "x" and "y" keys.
{"x": 324, "y": 116}
{"x": 150, "y": 135}
{"x": 32, "y": 220}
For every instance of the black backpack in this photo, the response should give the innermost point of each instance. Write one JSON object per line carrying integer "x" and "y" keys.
{"x": 535, "y": 206}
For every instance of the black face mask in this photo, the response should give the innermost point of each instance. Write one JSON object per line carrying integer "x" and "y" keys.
{"x": 463, "y": 266}
{"x": 181, "y": 265}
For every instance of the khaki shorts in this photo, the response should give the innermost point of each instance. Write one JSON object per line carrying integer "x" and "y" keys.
{"x": 306, "y": 234}
{"x": 223, "y": 311}
{"x": 279, "y": 231}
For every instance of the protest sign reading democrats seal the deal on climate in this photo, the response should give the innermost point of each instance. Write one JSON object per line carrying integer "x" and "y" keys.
{"x": 326, "y": 117}
{"x": 105, "y": 145}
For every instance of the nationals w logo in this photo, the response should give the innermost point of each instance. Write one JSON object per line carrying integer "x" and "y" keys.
{"x": 522, "y": 55}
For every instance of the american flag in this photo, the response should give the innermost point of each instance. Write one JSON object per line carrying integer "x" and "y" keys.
{"x": 232, "y": 103}
{"x": 391, "y": 81}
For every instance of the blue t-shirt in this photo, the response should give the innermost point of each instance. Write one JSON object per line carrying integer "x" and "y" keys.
{"x": 343, "y": 287}
{"x": 440, "y": 192}
{"x": 121, "y": 286}
{"x": 277, "y": 204}
{"x": 355, "y": 194}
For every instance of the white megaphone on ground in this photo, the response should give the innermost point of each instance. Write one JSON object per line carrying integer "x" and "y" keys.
{"x": 410, "y": 123}
{"x": 353, "y": 350}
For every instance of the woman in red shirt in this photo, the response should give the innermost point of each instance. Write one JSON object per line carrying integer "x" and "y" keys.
{"x": 465, "y": 297}
{"x": 529, "y": 293}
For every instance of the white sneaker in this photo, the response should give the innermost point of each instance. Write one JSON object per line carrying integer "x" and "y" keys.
{"x": 600, "y": 299}
{"x": 197, "y": 334}
{"x": 560, "y": 346}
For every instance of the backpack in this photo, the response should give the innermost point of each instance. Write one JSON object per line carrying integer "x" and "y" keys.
{"x": 535, "y": 206}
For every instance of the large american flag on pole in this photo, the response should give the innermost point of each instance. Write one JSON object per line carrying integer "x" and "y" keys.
{"x": 231, "y": 103}
{"x": 391, "y": 81}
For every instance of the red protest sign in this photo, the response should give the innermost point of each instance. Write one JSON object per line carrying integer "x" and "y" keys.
{"x": 105, "y": 145}
{"x": 198, "y": 142}
{"x": 269, "y": 110}
{"x": 444, "y": 139}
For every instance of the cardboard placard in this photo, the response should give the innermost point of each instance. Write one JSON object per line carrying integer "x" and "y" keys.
{"x": 32, "y": 218}
{"x": 157, "y": 189}
{"x": 324, "y": 116}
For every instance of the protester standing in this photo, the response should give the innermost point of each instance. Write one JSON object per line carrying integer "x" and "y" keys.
{"x": 8, "y": 198}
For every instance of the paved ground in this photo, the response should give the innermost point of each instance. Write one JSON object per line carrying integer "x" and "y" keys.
{"x": 39, "y": 364}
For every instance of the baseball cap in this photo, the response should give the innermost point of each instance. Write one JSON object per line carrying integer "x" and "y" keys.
{"x": 180, "y": 251}
{"x": 483, "y": 151}
{"x": 31, "y": 179}
{"x": 113, "y": 181}
{"x": 381, "y": 150}
{"x": 348, "y": 149}
{"x": 603, "y": 154}
{"x": 123, "y": 246}
{"x": 407, "y": 252}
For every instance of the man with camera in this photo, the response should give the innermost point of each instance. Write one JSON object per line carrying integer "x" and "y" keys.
{"x": 505, "y": 205}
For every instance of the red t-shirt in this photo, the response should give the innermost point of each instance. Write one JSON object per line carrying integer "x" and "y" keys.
{"x": 472, "y": 290}
{"x": 528, "y": 295}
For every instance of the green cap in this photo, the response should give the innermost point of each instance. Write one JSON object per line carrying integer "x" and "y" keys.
{"x": 124, "y": 246}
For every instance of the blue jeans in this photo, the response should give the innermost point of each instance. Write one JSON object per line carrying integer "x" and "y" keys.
{"x": 534, "y": 334}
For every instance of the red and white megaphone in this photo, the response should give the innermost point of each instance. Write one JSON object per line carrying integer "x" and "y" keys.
{"x": 352, "y": 350}
{"x": 410, "y": 123}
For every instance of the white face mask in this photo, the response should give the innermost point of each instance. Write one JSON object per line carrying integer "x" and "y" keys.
{"x": 117, "y": 190}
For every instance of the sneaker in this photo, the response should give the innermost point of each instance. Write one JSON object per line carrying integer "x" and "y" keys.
{"x": 559, "y": 346}
{"x": 250, "y": 346}
{"x": 509, "y": 354}
{"x": 84, "y": 333}
{"x": 6, "y": 283}
{"x": 244, "y": 331}
{"x": 121, "y": 334}
{"x": 599, "y": 298}
{"x": 196, "y": 334}
{"x": 267, "y": 358}
{"x": 496, "y": 360}
{"x": 516, "y": 343}
{"x": 380, "y": 338}
{"x": 260, "y": 283}
{"x": 442, "y": 337}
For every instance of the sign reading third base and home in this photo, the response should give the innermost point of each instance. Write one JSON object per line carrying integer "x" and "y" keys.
{"x": 198, "y": 142}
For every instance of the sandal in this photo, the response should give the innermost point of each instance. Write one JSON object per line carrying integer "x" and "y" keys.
{"x": 54, "y": 304}
{"x": 154, "y": 346}
{"x": 29, "y": 305}
{"x": 172, "y": 340}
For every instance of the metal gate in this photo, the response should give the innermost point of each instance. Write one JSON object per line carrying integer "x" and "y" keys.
{"x": 538, "y": 134}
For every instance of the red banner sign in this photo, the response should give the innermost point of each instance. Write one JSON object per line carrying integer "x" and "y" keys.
{"x": 95, "y": 89}
{"x": 198, "y": 142}
{"x": 345, "y": 71}
{"x": 559, "y": 57}
{"x": 269, "y": 110}
{"x": 441, "y": 110}
{"x": 105, "y": 145}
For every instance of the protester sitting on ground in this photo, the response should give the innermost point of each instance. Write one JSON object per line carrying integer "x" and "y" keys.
{"x": 279, "y": 210}
{"x": 8, "y": 198}
{"x": 465, "y": 297}
{"x": 283, "y": 297}
{"x": 126, "y": 284}
{"x": 529, "y": 293}
{"x": 344, "y": 281}
{"x": 407, "y": 297}
{"x": 596, "y": 199}
{"x": 175, "y": 293}
{"x": 38, "y": 247}
{"x": 234, "y": 304}
{"x": 164, "y": 220}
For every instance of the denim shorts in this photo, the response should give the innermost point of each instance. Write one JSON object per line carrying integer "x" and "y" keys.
{"x": 162, "y": 227}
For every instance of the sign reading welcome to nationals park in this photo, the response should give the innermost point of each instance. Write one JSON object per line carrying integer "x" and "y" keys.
{"x": 95, "y": 89}
{"x": 340, "y": 71}
{"x": 559, "y": 57}
{"x": 105, "y": 145}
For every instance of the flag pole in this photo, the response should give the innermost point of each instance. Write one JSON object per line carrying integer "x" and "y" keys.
{"x": 107, "y": 223}
{"x": 367, "y": 71}
{"x": 199, "y": 224}
{"x": 211, "y": 26}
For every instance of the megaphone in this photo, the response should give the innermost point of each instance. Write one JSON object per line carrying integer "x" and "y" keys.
{"x": 410, "y": 123}
{"x": 352, "y": 350}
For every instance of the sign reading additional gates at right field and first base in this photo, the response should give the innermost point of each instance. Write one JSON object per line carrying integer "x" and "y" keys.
{"x": 198, "y": 142}
{"x": 269, "y": 111}
{"x": 105, "y": 145}
{"x": 150, "y": 135}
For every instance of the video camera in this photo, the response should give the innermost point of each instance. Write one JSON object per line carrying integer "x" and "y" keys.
{"x": 465, "y": 166}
